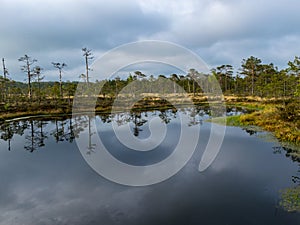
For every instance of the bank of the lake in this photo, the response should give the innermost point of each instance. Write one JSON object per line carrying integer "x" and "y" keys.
{"x": 282, "y": 119}
{"x": 269, "y": 114}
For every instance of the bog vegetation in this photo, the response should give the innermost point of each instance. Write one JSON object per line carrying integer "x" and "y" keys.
{"x": 253, "y": 78}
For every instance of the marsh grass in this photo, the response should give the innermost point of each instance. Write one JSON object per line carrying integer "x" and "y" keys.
{"x": 290, "y": 199}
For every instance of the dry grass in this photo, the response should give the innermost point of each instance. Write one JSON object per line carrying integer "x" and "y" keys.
{"x": 270, "y": 120}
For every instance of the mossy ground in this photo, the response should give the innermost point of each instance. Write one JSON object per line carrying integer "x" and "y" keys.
{"x": 290, "y": 199}
{"x": 269, "y": 119}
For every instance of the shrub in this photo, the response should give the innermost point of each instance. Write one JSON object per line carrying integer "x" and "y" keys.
{"x": 290, "y": 112}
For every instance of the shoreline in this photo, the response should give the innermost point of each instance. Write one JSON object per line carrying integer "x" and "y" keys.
{"x": 263, "y": 114}
{"x": 268, "y": 118}
{"x": 105, "y": 106}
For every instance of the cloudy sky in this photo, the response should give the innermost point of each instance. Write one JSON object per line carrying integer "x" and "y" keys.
{"x": 220, "y": 32}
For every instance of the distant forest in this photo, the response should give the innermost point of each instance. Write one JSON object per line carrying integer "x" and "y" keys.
{"x": 252, "y": 79}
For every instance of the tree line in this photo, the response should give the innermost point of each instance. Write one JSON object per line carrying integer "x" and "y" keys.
{"x": 253, "y": 78}
{"x": 257, "y": 79}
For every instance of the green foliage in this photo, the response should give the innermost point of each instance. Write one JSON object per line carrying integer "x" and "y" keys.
{"x": 254, "y": 78}
{"x": 6, "y": 106}
{"x": 290, "y": 199}
{"x": 297, "y": 92}
{"x": 283, "y": 124}
{"x": 251, "y": 68}
{"x": 224, "y": 74}
{"x": 229, "y": 120}
{"x": 290, "y": 111}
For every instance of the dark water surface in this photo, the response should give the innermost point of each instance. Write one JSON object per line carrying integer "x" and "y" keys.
{"x": 45, "y": 180}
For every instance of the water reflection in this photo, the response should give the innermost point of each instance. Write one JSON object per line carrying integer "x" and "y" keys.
{"x": 35, "y": 137}
{"x": 66, "y": 129}
{"x": 37, "y": 131}
{"x": 8, "y": 130}
{"x": 138, "y": 122}
{"x": 244, "y": 164}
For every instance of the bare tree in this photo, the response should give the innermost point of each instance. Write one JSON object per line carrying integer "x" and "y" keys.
{"x": 26, "y": 68}
{"x": 59, "y": 66}
{"x": 5, "y": 73}
{"x": 87, "y": 53}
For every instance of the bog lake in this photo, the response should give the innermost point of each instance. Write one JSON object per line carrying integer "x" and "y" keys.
{"x": 46, "y": 180}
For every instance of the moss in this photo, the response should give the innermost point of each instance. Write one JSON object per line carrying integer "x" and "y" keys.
{"x": 228, "y": 121}
{"x": 275, "y": 118}
{"x": 290, "y": 199}
{"x": 247, "y": 105}
{"x": 270, "y": 120}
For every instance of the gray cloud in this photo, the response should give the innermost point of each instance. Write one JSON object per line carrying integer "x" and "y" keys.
{"x": 218, "y": 31}
{"x": 40, "y": 27}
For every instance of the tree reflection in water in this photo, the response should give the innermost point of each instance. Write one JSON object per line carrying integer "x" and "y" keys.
{"x": 36, "y": 136}
{"x": 66, "y": 129}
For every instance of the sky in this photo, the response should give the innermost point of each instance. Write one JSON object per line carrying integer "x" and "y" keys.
{"x": 218, "y": 31}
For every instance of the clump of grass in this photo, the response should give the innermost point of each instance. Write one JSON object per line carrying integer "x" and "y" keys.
{"x": 248, "y": 105}
{"x": 271, "y": 120}
{"x": 228, "y": 121}
{"x": 233, "y": 120}
{"x": 290, "y": 199}
{"x": 282, "y": 120}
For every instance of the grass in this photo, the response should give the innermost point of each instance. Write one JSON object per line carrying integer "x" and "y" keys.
{"x": 290, "y": 199}
{"x": 269, "y": 119}
{"x": 7, "y": 116}
{"x": 228, "y": 121}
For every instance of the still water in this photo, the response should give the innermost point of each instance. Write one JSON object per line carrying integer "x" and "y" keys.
{"x": 45, "y": 179}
